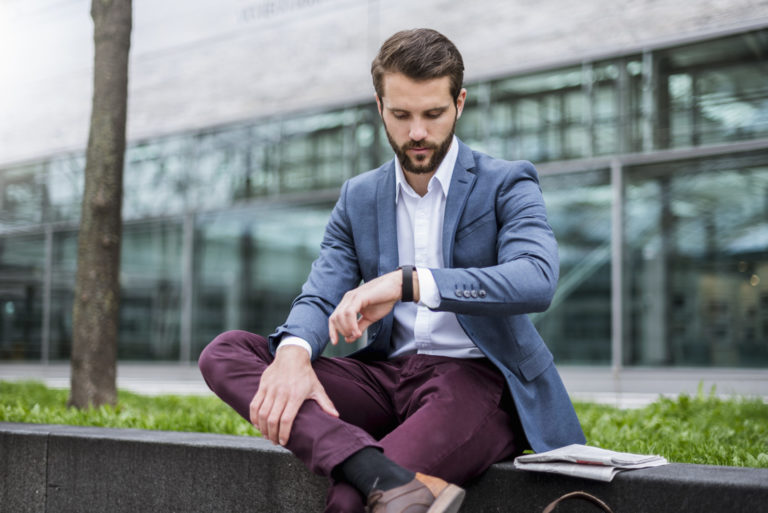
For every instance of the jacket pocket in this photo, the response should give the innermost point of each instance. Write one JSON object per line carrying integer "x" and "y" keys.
{"x": 535, "y": 363}
{"x": 487, "y": 217}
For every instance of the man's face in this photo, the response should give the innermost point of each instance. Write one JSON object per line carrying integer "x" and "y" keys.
{"x": 419, "y": 118}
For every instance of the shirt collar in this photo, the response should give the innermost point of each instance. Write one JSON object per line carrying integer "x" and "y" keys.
{"x": 442, "y": 175}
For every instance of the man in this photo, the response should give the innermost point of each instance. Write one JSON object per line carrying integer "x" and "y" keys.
{"x": 454, "y": 250}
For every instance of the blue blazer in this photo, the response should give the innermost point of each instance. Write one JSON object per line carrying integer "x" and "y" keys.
{"x": 501, "y": 263}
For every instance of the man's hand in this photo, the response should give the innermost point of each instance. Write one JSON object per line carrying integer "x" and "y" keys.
{"x": 371, "y": 301}
{"x": 285, "y": 385}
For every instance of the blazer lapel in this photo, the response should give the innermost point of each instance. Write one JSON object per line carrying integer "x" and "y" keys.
{"x": 461, "y": 185}
{"x": 386, "y": 214}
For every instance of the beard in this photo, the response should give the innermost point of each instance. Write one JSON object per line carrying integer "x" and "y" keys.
{"x": 422, "y": 165}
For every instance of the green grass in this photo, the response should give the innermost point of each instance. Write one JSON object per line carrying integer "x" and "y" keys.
{"x": 700, "y": 429}
{"x": 34, "y": 402}
{"x": 687, "y": 429}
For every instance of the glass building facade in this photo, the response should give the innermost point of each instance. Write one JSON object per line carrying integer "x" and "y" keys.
{"x": 654, "y": 168}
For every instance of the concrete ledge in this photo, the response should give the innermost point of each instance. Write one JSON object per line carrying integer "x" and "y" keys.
{"x": 56, "y": 469}
{"x": 46, "y": 468}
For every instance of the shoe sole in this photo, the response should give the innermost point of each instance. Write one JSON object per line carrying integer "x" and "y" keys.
{"x": 449, "y": 500}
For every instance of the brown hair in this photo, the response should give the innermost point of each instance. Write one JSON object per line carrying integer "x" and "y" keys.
{"x": 419, "y": 54}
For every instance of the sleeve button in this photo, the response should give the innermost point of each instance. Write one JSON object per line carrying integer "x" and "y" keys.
{"x": 481, "y": 293}
{"x": 458, "y": 293}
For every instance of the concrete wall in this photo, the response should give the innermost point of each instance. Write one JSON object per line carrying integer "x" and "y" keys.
{"x": 199, "y": 63}
{"x": 74, "y": 469}
{"x": 58, "y": 469}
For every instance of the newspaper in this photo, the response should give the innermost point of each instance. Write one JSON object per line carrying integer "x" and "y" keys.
{"x": 587, "y": 462}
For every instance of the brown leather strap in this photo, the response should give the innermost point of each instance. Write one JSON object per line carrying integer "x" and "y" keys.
{"x": 577, "y": 495}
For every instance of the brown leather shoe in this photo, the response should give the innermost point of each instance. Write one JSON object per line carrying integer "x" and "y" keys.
{"x": 425, "y": 494}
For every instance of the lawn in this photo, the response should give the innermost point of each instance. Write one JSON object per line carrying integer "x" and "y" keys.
{"x": 34, "y": 402}
{"x": 702, "y": 429}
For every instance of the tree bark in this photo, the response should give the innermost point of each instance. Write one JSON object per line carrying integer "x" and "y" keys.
{"x": 97, "y": 286}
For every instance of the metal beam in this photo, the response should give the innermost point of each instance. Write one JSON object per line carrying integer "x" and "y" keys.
{"x": 45, "y": 345}
{"x": 187, "y": 287}
{"x": 617, "y": 283}
{"x": 632, "y": 159}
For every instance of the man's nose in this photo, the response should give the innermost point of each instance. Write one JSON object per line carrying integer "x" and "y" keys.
{"x": 418, "y": 131}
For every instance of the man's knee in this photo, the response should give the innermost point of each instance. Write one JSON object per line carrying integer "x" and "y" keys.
{"x": 233, "y": 344}
{"x": 212, "y": 352}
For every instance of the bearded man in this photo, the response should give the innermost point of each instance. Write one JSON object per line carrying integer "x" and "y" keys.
{"x": 454, "y": 250}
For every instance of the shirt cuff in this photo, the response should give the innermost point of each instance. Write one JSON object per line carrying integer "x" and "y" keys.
{"x": 429, "y": 296}
{"x": 291, "y": 340}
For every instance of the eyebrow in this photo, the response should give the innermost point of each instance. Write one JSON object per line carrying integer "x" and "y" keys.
{"x": 440, "y": 109}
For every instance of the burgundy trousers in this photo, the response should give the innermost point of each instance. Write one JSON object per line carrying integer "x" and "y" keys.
{"x": 446, "y": 417}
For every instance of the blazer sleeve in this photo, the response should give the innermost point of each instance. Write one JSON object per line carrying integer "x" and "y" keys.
{"x": 525, "y": 276}
{"x": 333, "y": 273}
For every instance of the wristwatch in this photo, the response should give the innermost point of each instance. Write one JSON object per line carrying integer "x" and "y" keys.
{"x": 407, "y": 293}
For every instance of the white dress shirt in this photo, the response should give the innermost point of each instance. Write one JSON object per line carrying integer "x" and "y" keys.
{"x": 417, "y": 329}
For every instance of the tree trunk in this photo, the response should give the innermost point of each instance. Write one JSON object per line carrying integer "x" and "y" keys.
{"x": 97, "y": 285}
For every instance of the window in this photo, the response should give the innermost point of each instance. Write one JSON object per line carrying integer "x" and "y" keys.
{"x": 696, "y": 263}
{"x": 577, "y": 325}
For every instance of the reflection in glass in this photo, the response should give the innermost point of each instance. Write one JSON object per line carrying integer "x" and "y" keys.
{"x": 150, "y": 281}
{"x": 21, "y": 290}
{"x": 697, "y": 258}
{"x": 250, "y": 265}
{"x": 22, "y": 195}
{"x": 64, "y": 268}
{"x": 65, "y": 188}
{"x": 577, "y": 325}
{"x": 717, "y": 91}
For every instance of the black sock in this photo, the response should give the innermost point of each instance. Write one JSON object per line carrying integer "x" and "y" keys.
{"x": 369, "y": 469}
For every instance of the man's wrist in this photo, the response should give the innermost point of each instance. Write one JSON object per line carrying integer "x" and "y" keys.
{"x": 292, "y": 340}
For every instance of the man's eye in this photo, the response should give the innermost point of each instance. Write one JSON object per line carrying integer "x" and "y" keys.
{"x": 400, "y": 115}
{"x": 434, "y": 115}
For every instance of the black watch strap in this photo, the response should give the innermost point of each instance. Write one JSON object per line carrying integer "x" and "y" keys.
{"x": 407, "y": 293}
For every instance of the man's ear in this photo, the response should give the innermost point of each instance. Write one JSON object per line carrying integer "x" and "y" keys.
{"x": 378, "y": 104}
{"x": 460, "y": 102}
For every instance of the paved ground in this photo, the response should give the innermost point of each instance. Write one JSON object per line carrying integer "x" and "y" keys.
{"x": 143, "y": 378}
{"x": 628, "y": 389}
